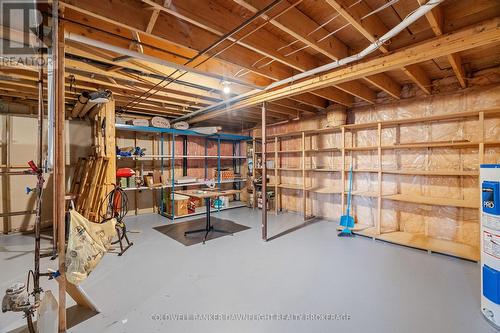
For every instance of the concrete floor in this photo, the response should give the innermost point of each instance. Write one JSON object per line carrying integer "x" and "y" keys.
{"x": 382, "y": 287}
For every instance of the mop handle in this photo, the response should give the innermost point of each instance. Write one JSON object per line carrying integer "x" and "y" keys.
{"x": 349, "y": 193}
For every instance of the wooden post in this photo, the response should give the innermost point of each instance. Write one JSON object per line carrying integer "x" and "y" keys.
{"x": 342, "y": 172}
{"x": 59, "y": 166}
{"x": 481, "y": 152}
{"x": 276, "y": 166}
{"x": 481, "y": 138}
{"x": 379, "y": 194}
{"x": 254, "y": 171}
{"x": 6, "y": 177}
{"x": 279, "y": 198}
{"x": 136, "y": 193}
{"x": 304, "y": 197}
{"x": 110, "y": 145}
{"x": 264, "y": 175}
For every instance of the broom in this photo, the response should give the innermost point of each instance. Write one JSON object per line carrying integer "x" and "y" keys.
{"x": 347, "y": 221}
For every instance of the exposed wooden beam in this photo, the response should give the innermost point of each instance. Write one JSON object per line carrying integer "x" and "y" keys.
{"x": 384, "y": 82}
{"x": 372, "y": 28}
{"x": 169, "y": 43}
{"x": 359, "y": 90}
{"x": 312, "y": 100}
{"x": 152, "y": 20}
{"x": 435, "y": 19}
{"x": 334, "y": 94}
{"x": 136, "y": 44}
{"x": 417, "y": 74}
{"x": 456, "y": 63}
{"x": 263, "y": 42}
{"x": 171, "y": 35}
{"x": 480, "y": 34}
{"x": 114, "y": 68}
{"x": 299, "y": 26}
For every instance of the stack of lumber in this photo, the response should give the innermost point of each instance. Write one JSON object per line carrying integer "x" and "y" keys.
{"x": 88, "y": 186}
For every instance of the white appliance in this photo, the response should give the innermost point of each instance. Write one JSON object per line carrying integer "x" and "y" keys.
{"x": 490, "y": 242}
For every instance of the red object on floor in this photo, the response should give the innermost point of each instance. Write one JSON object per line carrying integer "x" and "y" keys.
{"x": 125, "y": 172}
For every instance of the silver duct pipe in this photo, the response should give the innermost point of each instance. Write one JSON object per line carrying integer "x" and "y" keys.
{"x": 133, "y": 54}
{"x": 412, "y": 17}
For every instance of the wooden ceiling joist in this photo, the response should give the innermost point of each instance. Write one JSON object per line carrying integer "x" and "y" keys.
{"x": 435, "y": 19}
{"x": 189, "y": 10}
{"x": 480, "y": 34}
{"x": 372, "y": 28}
{"x": 385, "y": 83}
{"x": 299, "y": 26}
{"x": 418, "y": 75}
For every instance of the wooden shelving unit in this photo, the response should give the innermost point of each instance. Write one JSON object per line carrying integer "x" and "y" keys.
{"x": 307, "y": 170}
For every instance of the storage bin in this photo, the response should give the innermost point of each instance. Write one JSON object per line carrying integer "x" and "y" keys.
{"x": 180, "y": 204}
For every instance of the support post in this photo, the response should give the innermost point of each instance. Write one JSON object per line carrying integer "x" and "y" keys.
{"x": 342, "y": 172}
{"x": 59, "y": 165}
{"x": 379, "y": 192}
{"x": 264, "y": 175}
{"x": 110, "y": 144}
{"x": 276, "y": 168}
{"x": 304, "y": 194}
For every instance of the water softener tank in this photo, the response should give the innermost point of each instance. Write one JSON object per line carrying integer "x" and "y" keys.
{"x": 490, "y": 242}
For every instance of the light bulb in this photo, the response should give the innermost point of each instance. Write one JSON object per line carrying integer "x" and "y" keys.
{"x": 226, "y": 90}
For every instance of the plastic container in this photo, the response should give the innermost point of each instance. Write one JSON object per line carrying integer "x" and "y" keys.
{"x": 48, "y": 315}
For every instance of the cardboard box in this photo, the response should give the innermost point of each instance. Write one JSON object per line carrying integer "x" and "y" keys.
{"x": 225, "y": 174}
{"x": 180, "y": 204}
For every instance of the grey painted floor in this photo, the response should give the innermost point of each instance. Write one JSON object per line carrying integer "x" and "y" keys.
{"x": 382, "y": 287}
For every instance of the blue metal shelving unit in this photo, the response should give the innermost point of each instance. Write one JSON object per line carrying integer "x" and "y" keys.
{"x": 218, "y": 138}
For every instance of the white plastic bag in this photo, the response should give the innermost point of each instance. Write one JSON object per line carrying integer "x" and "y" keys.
{"x": 87, "y": 244}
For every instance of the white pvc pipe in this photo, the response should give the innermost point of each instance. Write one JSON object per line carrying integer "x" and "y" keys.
{"x": 418, "y": 13}
{"x": 412, "y": 17}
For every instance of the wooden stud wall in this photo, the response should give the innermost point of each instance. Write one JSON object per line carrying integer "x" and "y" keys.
{"x": 475, "y": 121}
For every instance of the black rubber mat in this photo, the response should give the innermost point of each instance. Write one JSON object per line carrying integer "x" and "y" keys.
{"x": 176, "y": 230}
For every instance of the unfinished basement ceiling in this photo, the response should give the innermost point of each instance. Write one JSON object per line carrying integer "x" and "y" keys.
{"x": 290, "y": 38}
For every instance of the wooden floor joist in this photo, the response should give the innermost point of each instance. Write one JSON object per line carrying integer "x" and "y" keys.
{"x": 478, "y": 35}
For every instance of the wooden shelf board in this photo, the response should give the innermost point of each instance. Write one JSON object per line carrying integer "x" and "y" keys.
{"x": 465, "y": 144}
{"x": 423, "y": 242}
{"x": 367, "y": 148}
{"x": 368, "y": 232}
{"x": 492, "y": 143}
{"x": 392, "y": 123}
{"x": 323, "y": 150}
{"x": 168, "y": 157}
{"x": 292, "y": 186}
{"x": 326, "y": 190}
{"x": 357, "y": 227}
{"x": 420, "y": 199}
{"x": 181, "y": 185}
{"x": 434, "y": 118}
{"x": 363, "y": 170}
{"x": 432, "y": 172}
{"x": 371, "y": 194}
{"x": 325, "y": 170}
